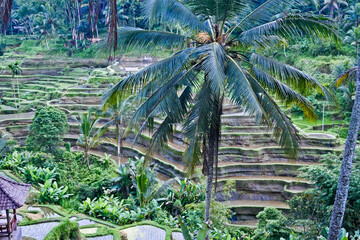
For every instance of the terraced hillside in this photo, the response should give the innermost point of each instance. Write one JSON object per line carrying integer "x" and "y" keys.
{"x": 249, "y": 156}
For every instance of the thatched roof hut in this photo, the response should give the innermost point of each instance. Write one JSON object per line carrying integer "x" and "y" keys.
{"x": 12, "y": 194}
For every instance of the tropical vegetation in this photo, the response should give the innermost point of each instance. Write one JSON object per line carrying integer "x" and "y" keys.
{"x": 222, "y": 119}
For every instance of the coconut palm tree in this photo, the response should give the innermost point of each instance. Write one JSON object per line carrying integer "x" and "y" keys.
{"x": 345, "y": 172}
{"x": 5, "y": 13}
{"x": 15, "y": 70}
{"x": 89, "y": 133}
{"x": 220, "y": 55}
{"x": 353, "y": 74}
{"x": 333, "y": 5}
{"x": 119, "y": 114}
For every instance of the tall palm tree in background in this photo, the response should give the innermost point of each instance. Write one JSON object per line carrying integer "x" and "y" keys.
{"x": 333, "y": 5}
{"x": 342, "y": 190}
{"x": 15, "y": 70}
{"x": 220, "y": 55}
{"x": 5, "y": 13}
{"x": 89, "y": 133}
{"x": 119, "y": 115}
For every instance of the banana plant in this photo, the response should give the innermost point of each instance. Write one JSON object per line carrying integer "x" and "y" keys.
{"x": 89, "y": 133}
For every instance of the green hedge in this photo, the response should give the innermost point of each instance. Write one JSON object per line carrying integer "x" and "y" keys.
{"x": 66, "y": 230}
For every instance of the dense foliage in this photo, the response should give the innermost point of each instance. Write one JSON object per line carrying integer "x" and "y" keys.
{"x": 47, "y": 129}
{"x": 131, "y": 192}
{"x": 312, "y": 209}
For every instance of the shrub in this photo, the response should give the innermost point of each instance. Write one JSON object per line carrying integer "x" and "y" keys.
{"x": 194, "y": 215}
{"x": 312, "y": 209}
{"x": 66, "y": 230}
{"x": 51, "y": 193}
{"x": 183, "y": 193}
{"x": 68, "y": 146}
{"x": 15, "y": 161}
{"x": 35, "y": 175}
{"x": 137, "y": 180}
{"x": 41, "y": 159}
{"x": 82, "y": 182}
{"x": 272, "y": 225}
{"x": 47, "y": 129}
{"x": 119, "y": 211}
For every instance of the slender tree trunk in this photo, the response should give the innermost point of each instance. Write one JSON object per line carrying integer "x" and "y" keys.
{"x": 17, "y": 79}
{"x": 344, "y": 178}
{"x": 87, "y": 158}
{"x": 14, "y": 95}
{"x": 210, "y": 172}
{"x": 212, "y": 158}
{"x": 119, "y": 142}
{"x": 331, "y": 12}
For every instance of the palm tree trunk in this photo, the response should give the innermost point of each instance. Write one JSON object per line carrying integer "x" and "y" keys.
{"x": 119, "y": 142}
{"x": 14, "y": 95}
{"x": 87, "y": 158}
{"x": 213, "y": 153}
{"x": 210, "y": 175}
{"x": 345, "y": 172}
{"x": 17, "y": 79}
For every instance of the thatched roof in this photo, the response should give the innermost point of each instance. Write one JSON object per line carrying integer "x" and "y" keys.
{"x": 12, "y": 194}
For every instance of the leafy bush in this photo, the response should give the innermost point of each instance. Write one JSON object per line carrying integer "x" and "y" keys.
{"x": 312, "y": 209}
{"x": 118, "y": 211}
{"x": 41, "y": 159}
{"x": 272, "y": 225}
{"x": 82, "y": 182}
{"x": 51, "y": 193}
{"x": 35, "y": 175}
{"x": 135, "y": 179}
{"x": 15, "y": 161}
{"x": 66, "y": 230}
{"x": 47, "y": 129}
{"x": 185, "y": 192}
{"x": 193, "y": 215}
{"x": 68, "y": 146}
{"x": 343, "y": 235}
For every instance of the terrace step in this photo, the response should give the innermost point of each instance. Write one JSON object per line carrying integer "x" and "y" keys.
{"x": 246, "y": 210}
{"x": 274, "y": 188}
{"x": 244, "y": 224}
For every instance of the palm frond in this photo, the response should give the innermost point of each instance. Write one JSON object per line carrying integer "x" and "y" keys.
{"x": 284, "y": 92}
{"x": 213, "y": 61}
{"x": 166, "y": 129}
{"x": 293, "y": 77}
{"x": 220, "y": 10}
{"x": 172, "y": 11}
{"x": 165, "y": 101}
{"x": 200, "y": 119}
{"x": 164, "y": 69}
{"x": 137, "y": 38}
{"x": 262, "y": 14}
{"x": 346, "y": 76}
{"x": 284, "y": 131}
{"x": 192, "y": 155}
{"x": 293, "y": 26}
{"x": 240, "y": 89}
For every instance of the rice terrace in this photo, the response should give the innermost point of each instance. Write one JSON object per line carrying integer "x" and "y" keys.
{"x": 179, "y": 119}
